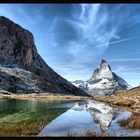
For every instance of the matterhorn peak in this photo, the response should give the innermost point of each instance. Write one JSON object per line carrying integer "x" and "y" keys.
{"x": 103, "y": 71}
{"x": 103, "y": 61}
{"x": 103, "y": 81}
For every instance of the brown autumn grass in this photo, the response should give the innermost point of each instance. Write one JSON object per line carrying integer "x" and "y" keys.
{"x": 128, "y": 100}
{"x": 133, "y": 122}
{"x": 43, "y": 96}
{"x": 85, "y": 134}
{"x": 90, "y": 134}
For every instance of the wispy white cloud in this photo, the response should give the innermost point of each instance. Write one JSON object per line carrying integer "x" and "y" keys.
{"x": 118, "y": 41}
{"x": 91, "y": 28}
{"x": 125, "y": 60}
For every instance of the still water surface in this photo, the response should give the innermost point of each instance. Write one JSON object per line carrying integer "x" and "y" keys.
{"x": 28, "y": 117}
{"x": 60, "y": 118}
{"x": 89, "y": 118}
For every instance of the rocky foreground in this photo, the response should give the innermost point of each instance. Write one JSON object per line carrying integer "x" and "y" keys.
{"x": 22, "y": 70}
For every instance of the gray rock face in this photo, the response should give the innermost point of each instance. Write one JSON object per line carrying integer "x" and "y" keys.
{"x": 22, "y": 70}
{"x": 103, "y": 81}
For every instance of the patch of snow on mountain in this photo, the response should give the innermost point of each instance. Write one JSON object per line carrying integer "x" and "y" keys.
{"x": 103, "y": 84}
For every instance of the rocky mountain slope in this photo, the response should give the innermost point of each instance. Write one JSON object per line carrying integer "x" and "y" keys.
{"x": 103, "y": 81}
{"x": 22, "y": 70}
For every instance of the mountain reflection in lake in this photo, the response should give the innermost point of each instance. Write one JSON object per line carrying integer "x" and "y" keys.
{"x": 89, "y": 116}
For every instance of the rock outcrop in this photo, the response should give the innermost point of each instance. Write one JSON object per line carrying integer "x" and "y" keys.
{"x": 103, "y": 81}
{"x": 22, "y": 70}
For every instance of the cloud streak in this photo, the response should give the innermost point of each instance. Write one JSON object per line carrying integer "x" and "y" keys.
{"x": 119, "y": 41}
{"x": 125, "y": 60}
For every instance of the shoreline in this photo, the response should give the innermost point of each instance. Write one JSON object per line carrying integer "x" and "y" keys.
{"x": 43, "y": 96}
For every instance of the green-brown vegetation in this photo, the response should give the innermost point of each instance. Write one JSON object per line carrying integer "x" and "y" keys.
{"x": 25, "y": 124}
{"x": 133, "y": 122}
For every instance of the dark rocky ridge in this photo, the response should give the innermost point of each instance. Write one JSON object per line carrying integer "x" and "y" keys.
{"x": 21, "y": 65}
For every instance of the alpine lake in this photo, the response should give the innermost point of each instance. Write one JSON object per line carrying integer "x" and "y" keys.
{"x": 40, "y": 117}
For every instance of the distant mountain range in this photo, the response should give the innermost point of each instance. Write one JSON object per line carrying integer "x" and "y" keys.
{"x": 22, "y": 70}
{"x": 103, "y": 81}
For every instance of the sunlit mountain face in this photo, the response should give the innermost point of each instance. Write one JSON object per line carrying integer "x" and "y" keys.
{"x": 73, "y": 38}
{"x": 102, "y": 82}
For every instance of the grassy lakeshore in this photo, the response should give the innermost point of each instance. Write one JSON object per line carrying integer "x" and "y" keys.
{"x": 43, "y": 96}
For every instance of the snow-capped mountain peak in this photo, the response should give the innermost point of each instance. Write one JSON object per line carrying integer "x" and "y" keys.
{"x": 103, "y": 81}
{"x": 103, "y": 71}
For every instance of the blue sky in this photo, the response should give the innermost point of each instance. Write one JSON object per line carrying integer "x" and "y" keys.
{"x": 73, "y": 38}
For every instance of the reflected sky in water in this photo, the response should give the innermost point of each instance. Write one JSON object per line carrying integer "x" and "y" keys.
{"x": 81, "y": 119}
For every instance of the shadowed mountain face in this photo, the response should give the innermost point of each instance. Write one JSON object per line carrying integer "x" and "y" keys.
{"x": 103, "y": 81}
{"x": 22, "y": 70}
